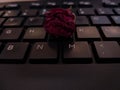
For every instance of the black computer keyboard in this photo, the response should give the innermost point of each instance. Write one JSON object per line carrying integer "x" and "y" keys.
{"x": 23, "y": 38}
{"x": 31, "y": 59}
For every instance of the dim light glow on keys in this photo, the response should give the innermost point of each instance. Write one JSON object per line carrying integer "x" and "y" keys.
{"x": 107, "y": 51}
{"x": 79, "y": 52}
{"x": 43, "y": 52}
{"x": 100, "y": 20}
{"x": 14, "y": 53}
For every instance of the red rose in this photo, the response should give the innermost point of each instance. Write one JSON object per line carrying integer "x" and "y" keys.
{"x": 60, "y": 22}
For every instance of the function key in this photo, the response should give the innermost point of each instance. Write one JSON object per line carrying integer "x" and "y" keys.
{"x": 107, "y": 51}
{"x": 86, "y": 11}
{"x": 11, "y": 13}
{"x": 12, "y": 6}
{"x": 105, "y": 11}
{"x": 14, "y": 53}
{"x": 100, "y": 20}
{"x": 36, "y": 5}
{"x": 84, "y": 4}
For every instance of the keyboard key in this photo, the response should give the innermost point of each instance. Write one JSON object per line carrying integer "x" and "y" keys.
{"x": 2, "y": 6}
{"x": 13, "y": 21}
{"x": 11, "y": 34}
{"x": 88, "y": 33}
{"x": 117, "y": 10}
{"x": 35, "y": 34}
{"x": 12, "y": 6}
{"x": 14, "y": 53}
{"x": 29, "y": 12}
{"x": 43, "y": 52}
{"x": 109, "y": 3}
{"x": 11, "y": 13}
{"x": 85, "y": 4}
{"x": 116, "y": 19}
{"x": 36, "y": 5}
{"x": 107, "y": 51}
{"x": 67, "y": 4}
{"x": 111, "y": 32}
{"x": 34, "y": 21}
{"x": 86, "y": 11}
{"x": 100, "y": 20}
{"x": 105, "y": 11}
{"x": 82, "y": 20}
{"x": 51, "y": 4}
{"x": 43, "y": 11}
{"x": 1, "y": 21}
{"x": 79, "y": 52}
{"x": 1, "y": 13}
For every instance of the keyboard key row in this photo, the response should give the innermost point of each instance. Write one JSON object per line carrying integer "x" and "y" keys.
{"x": 78, "y": 12}
{"x": 83, "y": 33}
{"x": 18, "y": 21}
{"x": 66, "y": 3}
{"x": 31, "y": 34}
{"x": 78, "y": 52}
{"x": 90, "y": 33}
{"x": 41, "y": 11}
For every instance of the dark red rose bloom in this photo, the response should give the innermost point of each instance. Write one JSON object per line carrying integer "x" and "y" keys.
{"x": 60, "y": 22}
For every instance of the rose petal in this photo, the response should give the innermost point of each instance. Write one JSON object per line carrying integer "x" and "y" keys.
{"x": 60, "y": 22}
